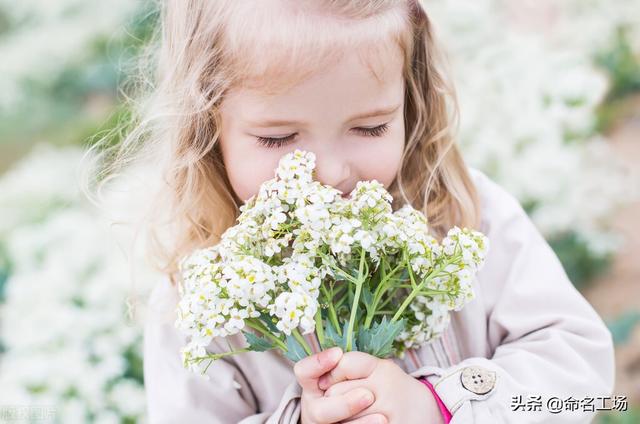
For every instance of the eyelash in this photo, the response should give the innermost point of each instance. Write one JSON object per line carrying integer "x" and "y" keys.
{"x": 271, "y": 142}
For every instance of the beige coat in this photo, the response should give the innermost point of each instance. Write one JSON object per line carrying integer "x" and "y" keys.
{"x": 528, "y": 331}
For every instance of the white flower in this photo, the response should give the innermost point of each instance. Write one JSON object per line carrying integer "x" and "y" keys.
{"x": 296, "y": 166}
{"x": 294, "y": 309}
{"x": 75, "y": 286}
{"x": 472, "y": 245}
{"x": 271, "y": 262}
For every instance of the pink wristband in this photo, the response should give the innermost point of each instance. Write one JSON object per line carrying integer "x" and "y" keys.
{"x": 446, "y": 415}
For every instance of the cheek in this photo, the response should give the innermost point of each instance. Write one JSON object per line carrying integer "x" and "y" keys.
{"x": 382, "y": 161}
{"x": 245, "y": 178}
{"x": 247, "y": 167}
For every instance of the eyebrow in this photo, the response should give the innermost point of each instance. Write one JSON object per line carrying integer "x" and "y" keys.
{"x": 280, "y": 123}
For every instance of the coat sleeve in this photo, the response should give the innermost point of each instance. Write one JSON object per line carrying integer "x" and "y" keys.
{"x": 175, "y": 394}
{"x": 545, "y": 339}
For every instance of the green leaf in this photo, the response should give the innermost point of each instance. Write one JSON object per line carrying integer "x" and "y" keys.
{"x": 267, "y": 320}
{"x": 256, "y": 343}
{"x": 332, "y": 338}
{"x": 366, "y": 296}
{"x": 295, "y": 351}
{"x": 378, "y": 340}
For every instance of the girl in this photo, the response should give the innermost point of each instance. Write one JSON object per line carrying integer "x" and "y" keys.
{"x": 359, "y": 83}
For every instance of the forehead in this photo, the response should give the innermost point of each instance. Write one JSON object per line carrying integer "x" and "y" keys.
{"x": 354, "y": 74}
{"x": 271, "y": 49}
{"x": 349, "y": 88}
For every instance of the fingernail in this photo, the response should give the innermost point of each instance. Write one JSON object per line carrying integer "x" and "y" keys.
{"x": 366, "y": 399}
{"x": 322, "y": 382}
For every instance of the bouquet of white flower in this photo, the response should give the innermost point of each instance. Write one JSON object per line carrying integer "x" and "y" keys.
{"x": 302, "y": 258}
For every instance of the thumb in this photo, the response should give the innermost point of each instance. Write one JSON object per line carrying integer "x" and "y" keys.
{"x": 308, "y": 370}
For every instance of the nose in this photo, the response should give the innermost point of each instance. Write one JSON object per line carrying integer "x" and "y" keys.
{"x": 334, "y": 169}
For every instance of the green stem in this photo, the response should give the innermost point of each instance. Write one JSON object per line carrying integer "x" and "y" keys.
{"x": 338, "y": 270}
{"x": 319, "y": 329}
{"x": 215, "y": 356}
{"x": 380, "y": 290}
{"x": 408, "y": 263}
{"x": 424, "y": 292}
{"x": 258, "y": 326}
{"x": 430, "y": 292}
{"x": 356, "y": 300}
{"x": 333, "y": 317}
{"x": 302, "y": 341}
{"x": 417, "y": 289}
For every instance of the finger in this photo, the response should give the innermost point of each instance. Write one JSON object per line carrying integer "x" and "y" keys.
{"x": 308, "y": 370}
{"x": 344, "y": 387}
{"x": 343, "y": 407}
{"x": 352, "y": 366}
{"x": 369, "y": 419}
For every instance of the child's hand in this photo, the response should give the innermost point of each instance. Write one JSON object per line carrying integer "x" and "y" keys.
{"x": 318, "y": 409}
{"x": 398, "y": 396}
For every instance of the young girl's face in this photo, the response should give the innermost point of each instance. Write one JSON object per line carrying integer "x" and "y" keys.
{"x": 353, "y": 122}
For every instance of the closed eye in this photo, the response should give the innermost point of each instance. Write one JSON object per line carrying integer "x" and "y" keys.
{"x": 275, "y": 142}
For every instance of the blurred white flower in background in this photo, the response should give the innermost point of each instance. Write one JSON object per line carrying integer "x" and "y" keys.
{"x": 34, "y": 188}
{"x": 65, "y": 323}
{"x": 528, "y": 89}
{"x": 48, "y": 36}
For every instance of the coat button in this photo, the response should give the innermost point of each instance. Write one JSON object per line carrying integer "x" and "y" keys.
{"x": 478, "y": 380}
